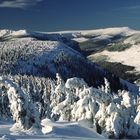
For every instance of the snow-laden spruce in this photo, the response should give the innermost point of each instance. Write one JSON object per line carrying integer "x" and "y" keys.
{"x": 23, "y": 111}
{"x": 110, "y": 114}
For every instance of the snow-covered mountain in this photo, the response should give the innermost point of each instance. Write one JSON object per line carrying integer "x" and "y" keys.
{"x": 120, "y": 53}
{"x": 48, "y": 77}
{"x": 107, "y": 33}
{"x": 31, "y": 55}
{"x": 112, "y": 48}
{"x": 99, "y": 33}
{"x": 28, "y": 56}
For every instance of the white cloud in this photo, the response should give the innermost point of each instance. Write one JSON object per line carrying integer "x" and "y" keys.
{"x": 19, "y": 3}
{"x": 137, "y": 7}
{"x": 128, "y": 8}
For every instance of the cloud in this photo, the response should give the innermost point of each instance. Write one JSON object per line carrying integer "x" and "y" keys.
{"x": 133, "y": 7}
{"x": 128, "y": 8}
{"x": 18, "y": 3}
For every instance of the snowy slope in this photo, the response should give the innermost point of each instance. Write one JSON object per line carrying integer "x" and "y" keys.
{"x": 115, "y": 45}
{"x": 130, "y": 57}
{"x": 125, "y": 31}
{"x": 5, "y": 32}
{"x": 28, "y": 54}
{"x": 46, "y": 50}
{"x": 133, "y": 39}
{"x": 60, "y": 130}
{"x": 96, "y": 40}
{"x": 100, "y": 33}
{"x": 68, "y": 129}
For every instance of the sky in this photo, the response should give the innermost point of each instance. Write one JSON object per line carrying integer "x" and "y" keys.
{"x": 58, "y": 15}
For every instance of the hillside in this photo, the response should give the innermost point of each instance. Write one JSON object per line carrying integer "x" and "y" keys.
{"x": 44, "y": 58}
{"x": 49, "y": 88}
{"x": 67, "y": 107}
{"x": 102, "y": 46}
{"x": 114, "y": 49}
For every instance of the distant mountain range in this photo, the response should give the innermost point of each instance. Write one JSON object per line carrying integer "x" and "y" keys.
{"x": 113, "y": 51}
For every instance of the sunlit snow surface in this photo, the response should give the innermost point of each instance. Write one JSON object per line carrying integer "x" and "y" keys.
{"x": 59, "y": 131}
{"x": 129, "y": 56}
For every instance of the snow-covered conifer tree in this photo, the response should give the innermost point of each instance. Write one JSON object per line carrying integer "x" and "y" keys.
{"x": 57, "y": 96}
{"x": 22, "y": 109}
{"x": 107, "y": 86}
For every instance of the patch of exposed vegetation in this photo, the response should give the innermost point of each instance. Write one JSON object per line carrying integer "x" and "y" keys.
{"x": 120, "y": 46}
{"x": 92, "y": 46}
{"x": 101, "y": 58}
{"x": 120, "y": 70}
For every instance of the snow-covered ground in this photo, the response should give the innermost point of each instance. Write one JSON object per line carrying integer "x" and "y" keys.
{"x": 130, "y": 57}
{"x": 56, "y": 131}
{"x": 81, "y": 39}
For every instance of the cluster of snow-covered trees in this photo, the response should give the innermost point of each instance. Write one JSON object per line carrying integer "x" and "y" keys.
{"x": 30, "y": 99}
{"x": 37, "y": 89}
{"x": 22, "y": 108}
{"x": 114, "y": 115}
{"x": 29, "y": 56}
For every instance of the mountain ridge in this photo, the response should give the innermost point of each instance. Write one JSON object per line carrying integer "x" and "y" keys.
{"x": 75, "y": 33}
{"x": 70, "y": 38}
